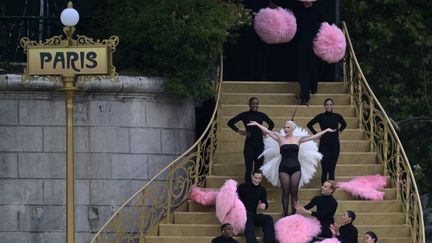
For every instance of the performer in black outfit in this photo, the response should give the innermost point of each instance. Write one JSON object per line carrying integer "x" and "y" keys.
{"x": 227, "y": 235}
{"x": 309, "y": 19}
{"x": 329, "y": 143}
{"x": 289, "y": 167}
{"x": 253, "y": 146}
{"x": 254, "y": 197}
{"x": 326, "y": 206}
{"x": 347, "y": 233}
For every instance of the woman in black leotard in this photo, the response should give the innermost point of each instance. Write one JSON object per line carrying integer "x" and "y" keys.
{"x": 289, "y": 168}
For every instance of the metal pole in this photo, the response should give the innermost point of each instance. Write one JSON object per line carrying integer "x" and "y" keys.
{"x": 69, "y": 87}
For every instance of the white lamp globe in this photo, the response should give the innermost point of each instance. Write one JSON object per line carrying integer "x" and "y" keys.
{"x": 69, "y": 17}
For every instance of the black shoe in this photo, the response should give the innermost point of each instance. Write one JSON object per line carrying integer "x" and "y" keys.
{"x": 304, "y": 102}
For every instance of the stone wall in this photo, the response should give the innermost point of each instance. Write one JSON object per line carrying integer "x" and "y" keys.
{"x": 125, "y": 132}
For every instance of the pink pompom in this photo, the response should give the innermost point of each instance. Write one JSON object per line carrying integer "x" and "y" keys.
{"x": 203, "y": 196}
{"x": 237, "y": 217}
{"x": 330, "y": 240}
{"x": 275, "y": 25}
{"x": 296, "y": 229}
{"x": 330, "y": 43}
{"x": 365, "y": 187}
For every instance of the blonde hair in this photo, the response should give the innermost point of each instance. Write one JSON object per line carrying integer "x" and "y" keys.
{"x": 291, "y": 123}
{"x": 332, "y": 185}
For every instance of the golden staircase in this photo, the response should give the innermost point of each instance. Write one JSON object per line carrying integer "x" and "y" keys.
{"x": 160, "y": 212}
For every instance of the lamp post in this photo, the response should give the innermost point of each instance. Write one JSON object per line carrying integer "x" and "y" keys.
{"x": 69, "y": 18}
{"x": 71, "y": 61}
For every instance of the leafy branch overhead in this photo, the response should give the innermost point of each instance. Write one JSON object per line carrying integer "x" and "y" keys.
{"x": 179, "y": 40}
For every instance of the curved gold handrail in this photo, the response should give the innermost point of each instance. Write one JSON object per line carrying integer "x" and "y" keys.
{"x": 384, "y": 139}
{"x": 168, "y": 189}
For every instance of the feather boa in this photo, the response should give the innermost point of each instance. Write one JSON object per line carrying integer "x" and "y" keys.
{"x": 308, "y": 157}
{"x": 365, "y": 187}
{"x": 229, "y": 208}
{"x": 296, "y": 229}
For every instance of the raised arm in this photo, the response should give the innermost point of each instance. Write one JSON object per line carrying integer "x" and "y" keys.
{"x": 273, "y": 135}
{"x": 315, "y": 136}
{"x": 269, "y": 122}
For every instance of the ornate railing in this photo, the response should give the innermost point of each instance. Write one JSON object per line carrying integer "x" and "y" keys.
{"x": 384, "y": 140}
{"x": 166, "y": 191}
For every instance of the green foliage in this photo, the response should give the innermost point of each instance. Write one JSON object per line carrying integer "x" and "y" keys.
{"x": 393, "y": 43}
{"x": 179, "y": 40}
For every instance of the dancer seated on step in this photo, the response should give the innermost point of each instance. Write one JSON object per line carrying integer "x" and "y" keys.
{"x": 254, "y": 197}
{"x": 370, "y": 237}
{"x": 326, "y": 206}
{"x": 227, "y": 235}
{"x": 289, "y": 167}
{"x": 347, "y": 233}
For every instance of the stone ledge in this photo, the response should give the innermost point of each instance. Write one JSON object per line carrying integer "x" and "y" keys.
{"x": 125, "y": 84}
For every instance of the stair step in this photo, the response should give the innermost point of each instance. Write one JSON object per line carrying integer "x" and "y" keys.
{"x": 215, "y": 181}
{"x": 345, "y": 145}
{"x": 237, "y": 169}
{"x": 187, "y": 230}
{"x": 362, "y": 218}
{"x": 227, "y": 135}
{"x": 282, "y": 98}
{"x": 279, "y": 87}
{"x": 358, "y": 206}
{"x": 207, "y": 239}
{"x": 287, "y": 110}
{"x": 352, "y": 122}
{"x": 344, "y": 158}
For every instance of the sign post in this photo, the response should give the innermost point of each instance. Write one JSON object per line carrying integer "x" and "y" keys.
{"x": 70, "y": 61}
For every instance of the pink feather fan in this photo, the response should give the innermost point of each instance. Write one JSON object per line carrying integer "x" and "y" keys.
{"x": 365, "y": 187}
{"x": 203, "y": 196}
{"x": 275, "y": 25}
{"x": 296, "y": 229}
{"x": 229, "y": 208}
{"x": 330, "y": 43}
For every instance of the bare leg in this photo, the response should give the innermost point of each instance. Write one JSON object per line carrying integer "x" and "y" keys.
{"x": 294, "y": 186}
{"x": 284, "y": 179}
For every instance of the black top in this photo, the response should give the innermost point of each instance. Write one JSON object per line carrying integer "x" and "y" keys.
{"x": 348, "y": 234}
{"x": 250, "y": 195}
{"x": 289, "y": 154}
{"x": 255, "y": 5}
{"x": 222, "y": 239}
{"x": 328, "y": 120}
{"x": 255, "y": 133}
{"x": 308, "y": 19}
{"x": 326, "y": 209}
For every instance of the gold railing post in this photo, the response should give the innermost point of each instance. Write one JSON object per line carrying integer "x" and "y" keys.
{"x": 197, "y": 163}
{"x": 169, "y": 192}
{"x": 212, "y": 140}
{"x": 371, "y": 123}
{"x": 385, "y": 149}
{"x": 398, "y": 173}
{"x": 69, "y": 88}
{"x": 407, "y": 198}
{"x": 360, "y": 104}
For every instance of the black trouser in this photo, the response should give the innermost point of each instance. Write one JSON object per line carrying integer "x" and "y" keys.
{"x": 325, "y": 233}
{"x": 251, "y": 152}
{"x": 307, "y": 68}
{"x": 262, "y": 220}
{"x": 329, "y": 160}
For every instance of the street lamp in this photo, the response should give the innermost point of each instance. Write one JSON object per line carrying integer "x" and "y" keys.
{"x": 66, "y": 60}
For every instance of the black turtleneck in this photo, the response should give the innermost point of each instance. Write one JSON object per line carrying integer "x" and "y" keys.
{"x": 222, "y": 239}
{"x": 250, "y": 195}
{"x": 254, "y": 131}
{"x": 348, "y": 233}
{"x": 328, "y": 120}
{"x": 326, "y": 209}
